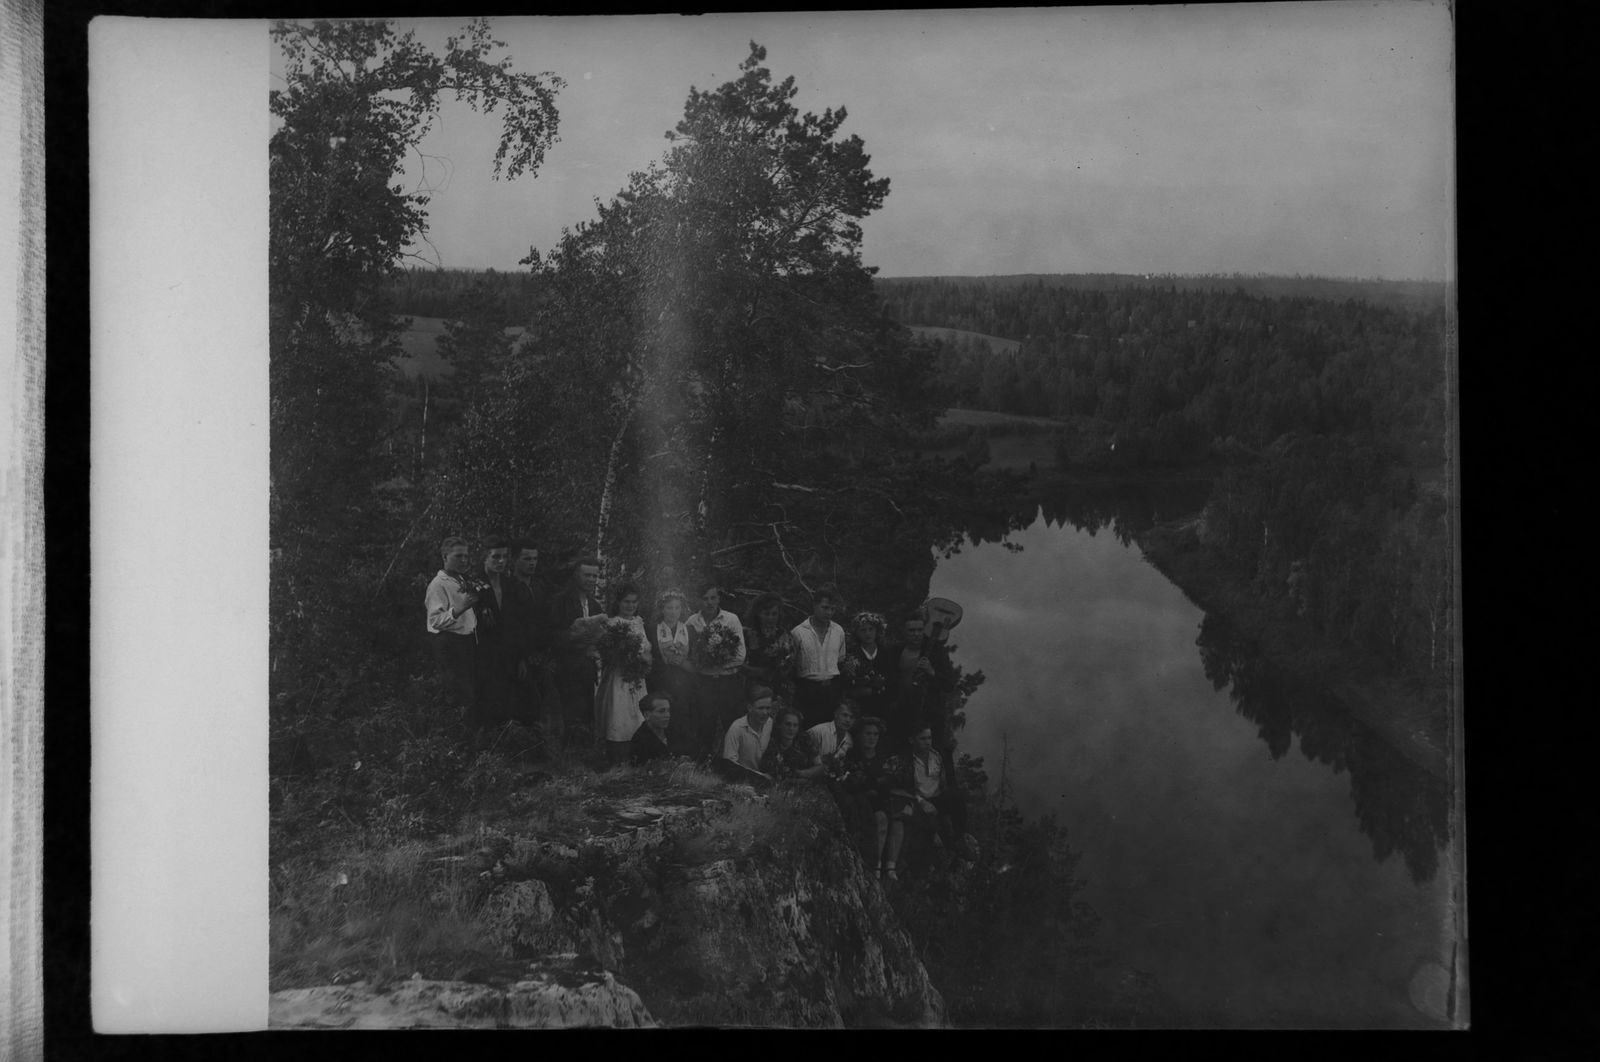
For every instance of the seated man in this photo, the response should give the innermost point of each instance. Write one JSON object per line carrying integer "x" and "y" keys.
{"x": 925, "y": 791}
{"x": 650, "y": 740}
{"x": 747, "y": 738}
{"x": 833, "y": 740}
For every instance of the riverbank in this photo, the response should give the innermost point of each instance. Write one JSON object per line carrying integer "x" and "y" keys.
{"x": 1406, "y": 718}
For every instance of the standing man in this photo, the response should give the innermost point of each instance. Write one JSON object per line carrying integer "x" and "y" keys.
{"x": 720, "y": 686}
{"x": 536, "y": 699}
{"x": 503, "y": 615}
{"x": 926, "y": 676}
{"x": 577, "y": 621}
{"x": 821, "y": 643}
{"x": 452, "y": 625}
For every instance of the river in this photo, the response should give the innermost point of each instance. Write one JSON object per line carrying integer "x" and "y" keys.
{"x": 1265, "y": 876}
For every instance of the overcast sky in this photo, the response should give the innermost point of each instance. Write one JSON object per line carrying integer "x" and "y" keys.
{"x": 1277, "y": 138}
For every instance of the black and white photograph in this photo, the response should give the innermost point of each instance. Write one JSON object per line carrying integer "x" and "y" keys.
{"x": 891, "y": 519}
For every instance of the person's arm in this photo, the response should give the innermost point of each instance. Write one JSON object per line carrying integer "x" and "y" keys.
{"x": 730, "y": 744}
{"x": 838, "y": 663}
{"x": 442, "y": 616}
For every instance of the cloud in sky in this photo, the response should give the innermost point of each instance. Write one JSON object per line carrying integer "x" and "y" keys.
{"x": 1314, "y": 138}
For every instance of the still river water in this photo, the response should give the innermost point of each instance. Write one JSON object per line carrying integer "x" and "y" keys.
{"x": 1248, "y": 887}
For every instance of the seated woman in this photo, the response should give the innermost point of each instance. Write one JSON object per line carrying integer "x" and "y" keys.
{"x": 650, "y": 741}
{"x": 925, "y": 792}
{"x": 864, "y": 789}
{"x": 790, "y": 753}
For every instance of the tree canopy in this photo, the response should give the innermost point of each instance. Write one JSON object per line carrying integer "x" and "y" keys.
{"x": 710, "y": 336}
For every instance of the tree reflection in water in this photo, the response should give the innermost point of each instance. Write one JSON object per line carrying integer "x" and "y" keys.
{"x": 1399, "y": 805}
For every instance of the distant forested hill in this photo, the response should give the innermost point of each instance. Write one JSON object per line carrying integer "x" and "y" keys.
{"x": 1407, "y": 294}
{"x": 1171, "y": 372}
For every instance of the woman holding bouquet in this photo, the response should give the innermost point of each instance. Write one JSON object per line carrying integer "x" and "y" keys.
{"x": 868, "y": 669}
{"x": 769, "y": 647}
{"x": 625, "y": 656}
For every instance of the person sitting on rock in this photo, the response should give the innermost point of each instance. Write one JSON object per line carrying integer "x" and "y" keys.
{"x": 863, "y": 791}
{"x": 650, "y": 741}
{"x": 833, "y": 740}
{"x": 925, "y": 791}
{"x": 790, "y": 754}
{"x": 747, "y": 739}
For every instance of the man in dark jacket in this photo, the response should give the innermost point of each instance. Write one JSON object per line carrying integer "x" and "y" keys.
{"x": 576, "y": 623}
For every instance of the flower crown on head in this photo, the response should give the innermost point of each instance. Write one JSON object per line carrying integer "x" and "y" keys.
{"x": 874, "y": 618}
{"x": 668, "y": 594}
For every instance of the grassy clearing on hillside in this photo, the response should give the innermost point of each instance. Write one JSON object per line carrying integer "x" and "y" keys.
{"x": 996, "y": 343}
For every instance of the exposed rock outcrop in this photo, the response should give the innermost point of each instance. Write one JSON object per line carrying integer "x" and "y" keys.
{"x": 555, "y": 995}
{"x": 694, "y": 906}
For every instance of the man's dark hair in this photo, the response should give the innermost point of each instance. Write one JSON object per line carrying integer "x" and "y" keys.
{"x": 826, "y": 593}
{"x": 591, "y": 561}
{"x": 494, "y": 542}
{"x": 650, "y": 698}
{"x": 518, "y": 545}
{"x": 755, "y": 693}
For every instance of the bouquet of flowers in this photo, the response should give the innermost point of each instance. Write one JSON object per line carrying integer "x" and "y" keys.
{"x": 859, "y": 675}
{"x": 623, "y": 644}
{"x": 719, "y": 645}
{"x": 779, "y": 654}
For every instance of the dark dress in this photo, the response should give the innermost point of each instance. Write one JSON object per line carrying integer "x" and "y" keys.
{"x": 875, "y": 683}
{"x": 771, "y": 661}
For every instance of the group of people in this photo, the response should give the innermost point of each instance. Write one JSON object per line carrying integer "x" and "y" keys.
{"x": 754, "y": 696}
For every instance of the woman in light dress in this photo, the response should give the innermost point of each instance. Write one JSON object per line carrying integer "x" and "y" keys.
{"x": 617, "y": 715}
{"x": 673, "y": 673}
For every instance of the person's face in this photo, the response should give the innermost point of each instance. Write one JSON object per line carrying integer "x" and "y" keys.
{"x": 527, "y": 563}
{"x": 588, "y": 577}
{"x": 759, "y": 714}
{"x": 866, "y": 634}
{"x": 870, "y": 736}
{"x": 788, "y": 726}
{"x": 495, "y": 561}
{"x": 845, "y": 717}
{"x": 660, "y": 715}
{"x": 672, "y": 610}
{"x": 914, "y": 630}
{"x": 769, "y": 616}
{"x": 456, "y": 559}
{"x": 629, "y": 605}
{"x": 923, "y": 741}
{"x": 822, "y": 611}
{"x": 711, "y": 602}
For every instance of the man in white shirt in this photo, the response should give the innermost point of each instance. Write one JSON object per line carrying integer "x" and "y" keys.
{"x": 719, "y": 688}
{"x": 747, "y": 738}
{"x": 833, "y": 738}
{"x": 821, "y": 651}
{"x": 452, "y": 622}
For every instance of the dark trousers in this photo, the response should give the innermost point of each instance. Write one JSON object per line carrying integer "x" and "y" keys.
{"x": 816, "y": 700}
{"x": 576, "y": 681}
{"x": 952, "y": 806}
{"x": 456, "y": 657}
{"x": 719, "y": 700}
